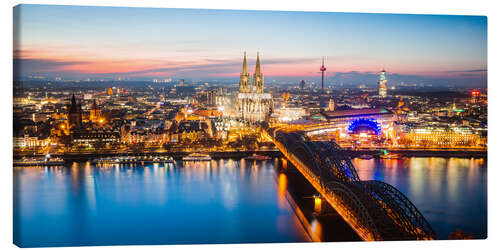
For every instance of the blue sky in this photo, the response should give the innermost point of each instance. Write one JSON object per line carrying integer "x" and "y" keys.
{"x": 78, "y": 42}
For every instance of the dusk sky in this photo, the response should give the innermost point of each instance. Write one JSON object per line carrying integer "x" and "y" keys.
{"x": 100, "y": 42}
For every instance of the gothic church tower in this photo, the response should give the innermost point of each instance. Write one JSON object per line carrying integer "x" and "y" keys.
{"x": 258, "y": 78}
{"x": 244, "y": 77}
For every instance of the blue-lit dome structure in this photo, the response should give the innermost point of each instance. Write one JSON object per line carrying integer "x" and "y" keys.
{"x": 364, "y": 125}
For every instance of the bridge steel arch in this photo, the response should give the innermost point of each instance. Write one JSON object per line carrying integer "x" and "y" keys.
{"x": 353, "y": 210}
{"x": 342, "y": 162}
{"x": 375, "y": 210}
{"x": 347, "y": 205}
{"x": 400, "y": 209}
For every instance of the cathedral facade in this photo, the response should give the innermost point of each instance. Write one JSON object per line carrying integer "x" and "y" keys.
{"x": 253, "y": 104}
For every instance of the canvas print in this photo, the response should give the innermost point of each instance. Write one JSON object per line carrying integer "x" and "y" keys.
{"x": 142, "y": 126}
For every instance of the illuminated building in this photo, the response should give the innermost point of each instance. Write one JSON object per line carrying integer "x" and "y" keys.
{"x": 364, "y": 126}
{"x": 244, "y": 77}
{"x": 253, "y": 104}
{"x": 94, "y": 138}
{"x": 190, "y": 131}
{"x": 28, "y": 141}
{"x": 382, "y": 84}
{"x": 37, "y": 117}
{"x": 110, "y": 91}
{"x": 221, "y": 127}
{"x": 87, "y": 96}
{"x": 74, "y": 114}
{"x": 258, "y": 78}
{"x": 354, "y": 122}
{"x": 95, "y": 114}
{"x": 289, "y": 114}
{"x": 211, "y": 97}
{"x": 19, "y": 142}
{"x": 438, "y": 136}
{"x": 382, "y": 115}
{"x": 286, "y": 97}
{"x": 205, "y": 114}
{"x": 331, "y": 105}
{"x": 222, "y": 101}
{"x": 199, "y": 114}
{"x": 154, "y": 137}
{"x": 475, "y": 96}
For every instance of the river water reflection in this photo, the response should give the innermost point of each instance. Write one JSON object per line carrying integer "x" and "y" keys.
{"x": 449, "y": 192}
{"x": 223, "y": 201}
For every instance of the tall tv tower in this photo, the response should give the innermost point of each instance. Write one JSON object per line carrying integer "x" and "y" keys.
{"x": 323, "y": 69}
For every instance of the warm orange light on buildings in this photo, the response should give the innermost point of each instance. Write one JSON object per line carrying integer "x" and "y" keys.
{"x": 443, "y": 139}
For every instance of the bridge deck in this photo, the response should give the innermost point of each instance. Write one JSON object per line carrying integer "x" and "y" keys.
{"x": 375, "y": 210}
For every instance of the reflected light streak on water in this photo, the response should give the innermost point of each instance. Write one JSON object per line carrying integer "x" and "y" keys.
{"x": 449, "y": 192}
{"x": 282, "y": 188}
{"x": 205, "y": 202}
{"x": 224, "y": 201}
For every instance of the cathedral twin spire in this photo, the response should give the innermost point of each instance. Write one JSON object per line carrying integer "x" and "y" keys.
{"x": 257, "y": 65}
{"x": 244, "y": 77}
{"x": 244, "y": 63}
{"x": 258, "y": 79}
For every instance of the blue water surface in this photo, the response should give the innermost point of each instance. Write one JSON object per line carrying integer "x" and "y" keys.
{"x": 449, "y": 192}
{"x": 223, "y": 201}
{"x": 226, "y": 201}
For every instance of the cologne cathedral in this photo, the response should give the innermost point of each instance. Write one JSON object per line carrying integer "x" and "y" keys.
{"x": 253, "y": 104}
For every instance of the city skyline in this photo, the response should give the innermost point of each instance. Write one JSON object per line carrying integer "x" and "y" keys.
{"x": 141, "y": 126}
{"x": 76, "y": 42}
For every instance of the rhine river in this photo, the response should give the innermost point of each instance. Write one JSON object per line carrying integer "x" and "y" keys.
{"x": 222, "y": 201}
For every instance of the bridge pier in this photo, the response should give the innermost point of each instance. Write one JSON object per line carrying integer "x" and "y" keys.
{"x": 284, "y": 163}
{"x": 318, "y": 204}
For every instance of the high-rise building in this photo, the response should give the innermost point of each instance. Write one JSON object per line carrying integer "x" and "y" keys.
{"x": 382, "y": 84}
{"x": 331, "y": 105}
{"x": 211, "y": 96}
{"x": 475, "y": 96}
{"x": 253, "y": 104}
{"x": 302, "y": 84}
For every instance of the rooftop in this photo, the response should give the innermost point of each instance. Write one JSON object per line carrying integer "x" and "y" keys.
{"x": 355, "y": 112}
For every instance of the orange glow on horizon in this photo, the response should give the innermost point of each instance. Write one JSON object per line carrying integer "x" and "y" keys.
{"x": 144, "y": 62}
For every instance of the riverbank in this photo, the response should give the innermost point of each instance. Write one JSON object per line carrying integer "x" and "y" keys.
{"x": 85, "y": 156}
{"x": 461, "y": 153}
